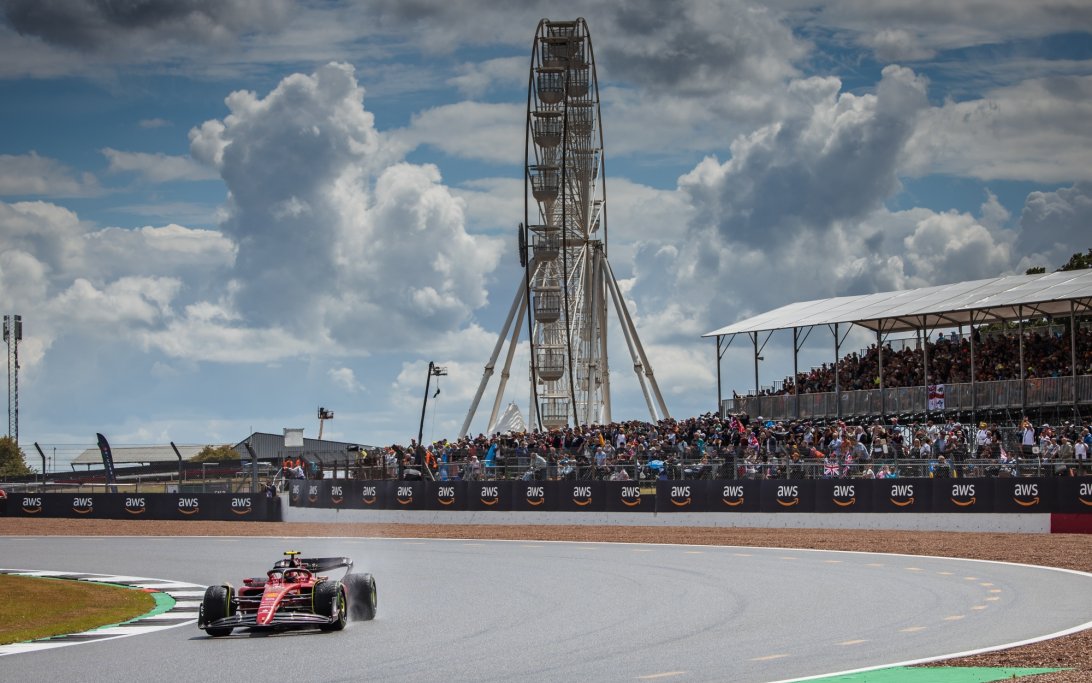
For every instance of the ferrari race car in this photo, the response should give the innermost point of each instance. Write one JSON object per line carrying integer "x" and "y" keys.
{"x": 293, "y": 594}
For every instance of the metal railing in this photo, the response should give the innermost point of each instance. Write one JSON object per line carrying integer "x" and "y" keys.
{"x": 1006, "y": 394}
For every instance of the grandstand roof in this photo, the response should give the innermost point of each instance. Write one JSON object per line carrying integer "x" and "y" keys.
{"x": 960, "y": 303}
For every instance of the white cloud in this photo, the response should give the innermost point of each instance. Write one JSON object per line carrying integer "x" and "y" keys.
{"x": 474, "y": 79}
{"x": 1038, "y": 130}
{"x": 339, "y": 242}
{"x": 346, "y": 379}
{"x": 915, "y": 30}
{"x": 1054, "y": 226}
{"x": 30, "y": 174}
{"x": 470, "y": 130}
{"x": 157, "y": 168}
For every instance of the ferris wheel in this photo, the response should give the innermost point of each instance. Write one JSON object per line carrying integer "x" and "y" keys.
{"x": 567, "y": 280}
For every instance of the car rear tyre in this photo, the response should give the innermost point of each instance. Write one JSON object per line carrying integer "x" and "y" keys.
{"x": 217, "y": 604}
{"x": 363, "y": 599}
{"x": 330, "y": 602}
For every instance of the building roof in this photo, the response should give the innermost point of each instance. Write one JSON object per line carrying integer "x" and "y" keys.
{"x": 271, "y": 447}
{"x": 132, "y": 455}
{"x": 961, "y": 303}
{"x": 268, "y": 447}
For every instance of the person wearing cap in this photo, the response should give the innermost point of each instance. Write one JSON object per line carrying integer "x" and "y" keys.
{"x": 982, "y": 436}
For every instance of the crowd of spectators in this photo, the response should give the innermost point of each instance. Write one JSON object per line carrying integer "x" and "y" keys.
{"x": 738, "y": 447}
{"x": 1047, "y": 353}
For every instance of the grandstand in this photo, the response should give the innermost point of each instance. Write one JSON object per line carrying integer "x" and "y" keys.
{"x": 1020, "y": 345}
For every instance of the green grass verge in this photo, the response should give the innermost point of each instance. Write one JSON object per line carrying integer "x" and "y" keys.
{"x": 34, "y": 607}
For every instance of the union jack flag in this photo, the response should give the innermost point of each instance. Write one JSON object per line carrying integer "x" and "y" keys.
{"x": 831, "y": 468}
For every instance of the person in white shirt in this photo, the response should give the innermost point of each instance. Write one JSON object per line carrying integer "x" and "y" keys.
{"x": 1027, "y": 439}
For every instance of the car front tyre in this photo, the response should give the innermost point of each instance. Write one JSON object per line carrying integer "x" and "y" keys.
{"x": 330, "y": 602}
{"x": 217, "y": 604}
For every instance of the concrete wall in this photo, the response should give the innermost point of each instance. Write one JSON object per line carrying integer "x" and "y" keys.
{"x": 978, "y": 522}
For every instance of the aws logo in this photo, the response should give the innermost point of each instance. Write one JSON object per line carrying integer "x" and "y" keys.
{"x": 963, "y": 495}
{"x": 404, "y": 495}
{"x": 732, "y": 495}
{"x": 294, "y": 492}
{"x": 535, "y": 495}
{"x": 902, "y": 495}
{"x": 83, "y": 505}
{"x": 368, "y": 495}
{"x": 489, "y": 495}
{"x": 32, "y": 505}
{"x": 241, "y": 505}
{"x": 680, "y": 496}
{"x": 582, "y": 495}
{"x": 844, "y": 495}
{"x": 189, "y": 506}
{"x": 788, "y": 495}
{"x": 445, "y": 495}
{"x": 1085, "y": 494}
{"x": 135, "y": 505}
{"x": 312, "y": 493}
{"x": 631, "y": 496}
{"x": 337, "y": 494}
{"x": 1025, "y": 495}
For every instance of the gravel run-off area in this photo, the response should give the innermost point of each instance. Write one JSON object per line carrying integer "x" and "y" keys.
{"x": 1069, "y": 551}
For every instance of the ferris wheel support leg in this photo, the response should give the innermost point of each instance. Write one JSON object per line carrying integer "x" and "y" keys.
{"x": 629, "y": 333}
{"x": 505, "y": 372}
{"x": 516, "y": 304}
{"x": 599, "y": 286}
{"x": 627, "y": 323}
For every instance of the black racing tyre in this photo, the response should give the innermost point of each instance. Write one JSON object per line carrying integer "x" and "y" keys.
{"x": 363, "y": 598}
{"x": 329, "y": 600}
{"x": 217, "y": 604}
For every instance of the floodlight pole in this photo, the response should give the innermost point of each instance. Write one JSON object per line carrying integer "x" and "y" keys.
{"x": 433, "y": 371}
{"x": 13, "y": 334}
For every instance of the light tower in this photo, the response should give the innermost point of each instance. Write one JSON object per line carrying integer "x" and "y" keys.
{"x": 568, "y": 286}
{"x": 13, "y": 333}
{"x": 323, "y": 416}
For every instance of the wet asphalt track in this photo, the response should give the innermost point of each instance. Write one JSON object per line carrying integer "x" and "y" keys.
{"x": 535, "y": 611}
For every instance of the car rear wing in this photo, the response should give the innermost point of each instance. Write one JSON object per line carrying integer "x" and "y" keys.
{"x": 318, "y": 564}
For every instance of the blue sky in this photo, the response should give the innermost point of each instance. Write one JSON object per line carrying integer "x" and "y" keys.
{"x": 217, "y": 216}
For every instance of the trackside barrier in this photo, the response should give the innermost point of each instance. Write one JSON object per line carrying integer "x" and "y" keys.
{"x": 158, "y": 506}
{"x": 1071, "y": 495}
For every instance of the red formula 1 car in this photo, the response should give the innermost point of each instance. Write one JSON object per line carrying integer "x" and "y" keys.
{"x": 293, "y": 594}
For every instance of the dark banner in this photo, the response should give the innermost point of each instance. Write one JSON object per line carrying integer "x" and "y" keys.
{"x": 626, "y": 496}
{"x": 1017, "y": 494}
{"x": 682, "y": 496}
{"x": 734, "y": 496}
{"x": 903, "y": 495}
{"x": 489, "y": 495}
{"x": 1000, "y": 494}
{"x": 407, "y": 495}
{"x": 1074, "y": 495}
{"x": 295, "y": 493}
{"x": 445, "y": 495}
{"x": 963, "y": 495}
{"x": 845, "y": 495}
{"x": 788, "y": 495}
{"x": 534, "y": 495}
{"x": 370, "y": 495}
{"x": 581, "y": 496}
{"x": 160, "y": 506}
